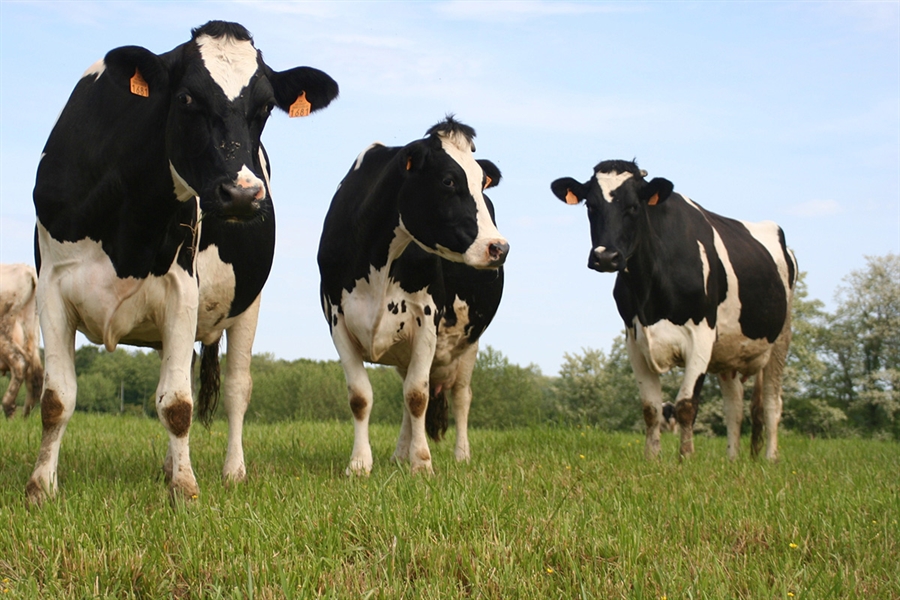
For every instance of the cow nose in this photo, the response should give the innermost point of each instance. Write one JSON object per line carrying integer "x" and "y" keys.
{"x": 604, "y": 261}
{"x": 239, "y": 201}
{"x": 498, "y": 251}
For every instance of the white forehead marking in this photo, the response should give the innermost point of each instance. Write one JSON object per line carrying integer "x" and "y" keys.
{"x": 230, "y": 62}
{"x": 95, "y": 69}
{"x": 610, "y": 182}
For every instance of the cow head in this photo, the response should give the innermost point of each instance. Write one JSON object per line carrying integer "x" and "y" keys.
{"x": 618, "y": 198}
{"x": 217, "y": 93}
{"x": 441, "y": 199}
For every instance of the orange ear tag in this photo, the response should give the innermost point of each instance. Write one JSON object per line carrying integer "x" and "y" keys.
{"x": 139, "y": 85}
{"x": 409, "y": 163}
{"x": 571, "y": 198}
{"x": 487, "y": 182}
{"x": 653, "y": 200}
{"x": 300, "y": 107}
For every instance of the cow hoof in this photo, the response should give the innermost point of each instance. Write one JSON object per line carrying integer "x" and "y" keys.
{"x": 185, "y": 494}
{"x": 462, "y": 455}
{"x": 358, "y": 468}
{"x": 9, "y": 411}
{"x": 234, "y": 478}
{"x": 36, "y": 493}
{"x": 422, "y": 468}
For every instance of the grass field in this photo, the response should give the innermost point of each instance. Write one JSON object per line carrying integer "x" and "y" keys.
{"x": 538, "y": 513}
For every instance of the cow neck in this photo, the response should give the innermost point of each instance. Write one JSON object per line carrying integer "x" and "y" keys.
{"x": 379, "y": 216}
{"x": 644, "y": 271}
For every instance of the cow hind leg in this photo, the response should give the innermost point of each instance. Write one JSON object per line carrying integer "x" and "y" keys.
{"x": 462, "y": 400}
{"x": 34, "y": 382}
{"x": 733, "y": 396}
{"x": 359, "y": 392}
{"x": 17, "y": 368}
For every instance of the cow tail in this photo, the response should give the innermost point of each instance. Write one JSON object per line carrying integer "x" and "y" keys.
{"x": 436, "y": 415}
{"x": 35, "y": 386}
{"x": 756, "y": 415}
{"x": 208, "y": 398}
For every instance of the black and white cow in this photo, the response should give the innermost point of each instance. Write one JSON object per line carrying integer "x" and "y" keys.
{"x": 695, "y": 289}
{"x": 20, "y": 336}
{"x": 419, "y": 306}
{"x": 155, "y": 224}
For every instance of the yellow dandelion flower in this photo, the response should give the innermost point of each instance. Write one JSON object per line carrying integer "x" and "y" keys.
{"x": 790, "y": 594}
{"x": 581, "y": 456}
{"x": 194, "y": 497}
{"x": 874, "y": 522}
{"x": 550, "y": 570}
{"x": 568, "y": 468}
{"x": 793, "y": 545}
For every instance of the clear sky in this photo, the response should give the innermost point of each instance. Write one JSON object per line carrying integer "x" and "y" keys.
{"x": 784, "y": 111}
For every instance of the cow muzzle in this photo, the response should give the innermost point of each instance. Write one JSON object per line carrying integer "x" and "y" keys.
{"x": 605, "y": 261}
{"x": 239, "y": 202}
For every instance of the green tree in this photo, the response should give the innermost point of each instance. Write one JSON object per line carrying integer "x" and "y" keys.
{"x": 864, "y": 345}
{"x": 505, "y": 395}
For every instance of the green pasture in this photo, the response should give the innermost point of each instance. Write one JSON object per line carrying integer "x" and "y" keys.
{"x": 540, "y": 512}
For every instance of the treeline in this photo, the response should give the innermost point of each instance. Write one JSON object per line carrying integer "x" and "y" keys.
{"x": 842, "y": 376}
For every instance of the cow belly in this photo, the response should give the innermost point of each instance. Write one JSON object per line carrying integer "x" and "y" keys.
{"x": 452, "y": 342}
{"x": 665, "y": 345}
{"x": 217, "y": 286}
{"x": 738, "y": 353}
{"x": 109, "y": 310}
{"x": 384, "y": 319}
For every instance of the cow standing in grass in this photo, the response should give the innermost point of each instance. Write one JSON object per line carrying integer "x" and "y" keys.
{"x": 695, "y": 289}
{"x": 145, "y": 146}
{"x": 20, "y": 336}
{"x": 410, "y": 260}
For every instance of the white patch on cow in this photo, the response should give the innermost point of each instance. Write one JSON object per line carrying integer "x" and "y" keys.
{"x": 451, "y": 343}
{"x": 183, "y": 190}
{"x": 265, "y": 170}
{"x": 460, "y": 149}
{"x": 95, "y": 69}
{"x": 610, "y": 182}
{"x": 231, "y": 63}
{"x": 704, "y": 261}
{"x": 106, "y": 309}
{"x": 665, "y": 345}
{"x": 217, "y": 285}
{"x": 248, "y": 179}
{"x": 766, "y": 233}
{"x": 362, "y": 155}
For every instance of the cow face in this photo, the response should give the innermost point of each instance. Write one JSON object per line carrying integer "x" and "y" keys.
{"x": 617, "y": 199}
{"x": 442, "y": 203}
{"x": 217, "y": 94}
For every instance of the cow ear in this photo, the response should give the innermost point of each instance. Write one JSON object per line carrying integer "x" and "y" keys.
{"x": 491, "y": 173}
{"x": 305, "y": 85}
{"x": 137, "y": 70}
{"x": 413, "y": 156}
{"x": 656, "y": 191}
{"x": 569, "y": 191}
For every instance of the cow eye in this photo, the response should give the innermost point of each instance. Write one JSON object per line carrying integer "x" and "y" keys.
{"x": 448, "y": 182}
{"x": 185, "y": 99}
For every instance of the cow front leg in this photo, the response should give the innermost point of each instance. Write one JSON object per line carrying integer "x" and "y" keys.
{"x": 57, "y": 399}
{"x": 415, "y": 395}
{"x": 174, "y": 401}
{"x": 650, "y": 390}
{"x": 733, "y": 396}
{"x": 686, "y": 408}
{"x": 238, "y": 386}
{"x": 401, "y": 452}
{"x": 359, "y": 394}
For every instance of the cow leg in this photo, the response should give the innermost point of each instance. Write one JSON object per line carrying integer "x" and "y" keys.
{"x": 772, "y": 403}
{"x": 415, "y": 394}
{"x": 174, "y": 401}
{"x": 15, "y": 361}
{"x": 34, "y": 381}
{"x": 57, "y": 398}
{"x": 238, "y": 386}
{"x": 686, "y": 408}
{"x": 359, "y": 391}
{"x": 401, "y": 452}
{"x": 462, "y": 400}
{"x": 650, "y": 390}
{"x": 733, "y": 395}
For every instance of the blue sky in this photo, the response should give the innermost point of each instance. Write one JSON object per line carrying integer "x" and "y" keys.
{"x": 784, "y": 111}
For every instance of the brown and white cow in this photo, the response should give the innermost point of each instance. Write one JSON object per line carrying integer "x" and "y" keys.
{"x": 20, "y": 336}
